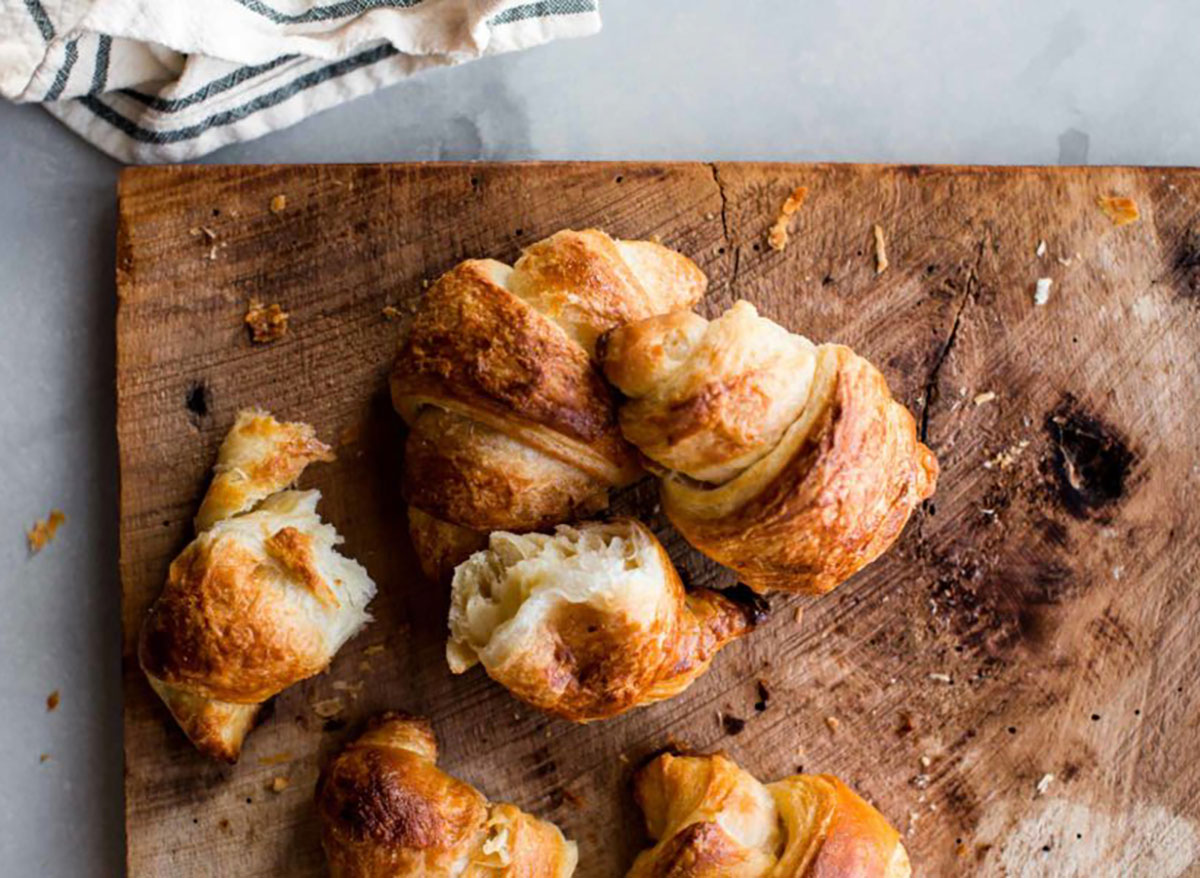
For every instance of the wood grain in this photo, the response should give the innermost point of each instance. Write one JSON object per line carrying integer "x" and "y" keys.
{"x": 1039, "y": 617}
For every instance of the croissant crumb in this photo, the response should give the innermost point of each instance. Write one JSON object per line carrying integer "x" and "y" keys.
{"x": 44, "y": 530}
{"x": 777, "y": 237}
{"x": 267, "y": 323}
{"x": 1120, "y": 210}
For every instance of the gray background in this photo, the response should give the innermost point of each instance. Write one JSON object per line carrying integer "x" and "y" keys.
{"x": 1025, "y": 81}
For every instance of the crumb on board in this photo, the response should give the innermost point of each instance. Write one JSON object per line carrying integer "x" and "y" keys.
{"x": 1041, "y": 249}
{"x": 43, "y": 530}
{"x": 52, "y": 701}
{"x": 280, "y": 783}
{"x": 391, "y": 313}
{"x": 1041, "y": 292}
{"x": 373, "y": 649}
{"x": 267, "y": 323}
{"x": 1007, "y": 457}
{"x": 881, "y": 259}
{"x": 354, "y": 689}
{"x": 276, "y": 758}
{"x": 941, "y": 678}
{"x": 327, "y": 708}
{"x": 45, "y": 757}
{"x": 926, "y": 762}
{"x": 1121, "y": 211}
{"x": 279, "y": 203}
{"x": 1044, "y": 784}
{"x": 777, "y": 237}
{"x": 833, "y": 723}
{"x": 210, "y": 238}
{"x": 985, "y": 397}
{"x": 799, "y": 617}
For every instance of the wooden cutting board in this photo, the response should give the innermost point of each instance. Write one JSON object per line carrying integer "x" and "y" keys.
{"x": 1013, "y": 684}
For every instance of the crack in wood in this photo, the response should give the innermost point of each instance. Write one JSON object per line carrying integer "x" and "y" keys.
{"x": 970, "y": 289}
{"x": 735, "y": 249}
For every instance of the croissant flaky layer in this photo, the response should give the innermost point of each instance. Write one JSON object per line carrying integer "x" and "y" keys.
{"x": 387, "y": 810}
{"x": 255, "y": 603}
{"x": 787, "y": 462}
{"x": 512, "y": 426}
{"x": 710, "y": 819}
{"x": 587, "y": 623}
{"x": 259, "y": 456}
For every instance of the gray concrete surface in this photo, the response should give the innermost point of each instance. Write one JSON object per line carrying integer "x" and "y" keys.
{"x": 1024, "y": 81}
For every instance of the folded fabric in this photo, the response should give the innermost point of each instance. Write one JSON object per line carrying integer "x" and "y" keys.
{"x": 170, "y": 80}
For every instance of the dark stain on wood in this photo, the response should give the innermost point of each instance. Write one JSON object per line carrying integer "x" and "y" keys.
{"x": 196, "y": 402}
{"x": 1091, "y": 461}
{"x": 1185, "y": 265}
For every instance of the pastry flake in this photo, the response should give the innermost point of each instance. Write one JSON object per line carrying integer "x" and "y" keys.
{"x": 259, "y": 456}
{"x": 777, "y": 237}
{"x": 44, "y": 530}
{"x": 267, "y": 323}
{"x": 1121, "y": 211}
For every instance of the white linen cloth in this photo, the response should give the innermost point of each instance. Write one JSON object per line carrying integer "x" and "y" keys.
{"x": 170, "y": 80}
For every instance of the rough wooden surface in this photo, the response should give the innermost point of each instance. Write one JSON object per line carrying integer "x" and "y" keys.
{"x": 1039, "y": 618}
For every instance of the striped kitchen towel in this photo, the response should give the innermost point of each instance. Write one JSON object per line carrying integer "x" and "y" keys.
{"x": 169, "y": 80}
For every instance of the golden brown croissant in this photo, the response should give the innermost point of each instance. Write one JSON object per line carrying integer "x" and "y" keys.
{"x": 258, "y": 600}
{"x": 587, "y": 623}
{"x": 387, "y": 810}
{"x": 711, "y": 819}
{"x": 787, "y": 462}
{"x": 511, "y": 426}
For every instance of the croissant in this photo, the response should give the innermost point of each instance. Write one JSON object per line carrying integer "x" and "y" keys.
{"x": 587, "y": 623}
{"x": 386, "y": 810}
{"x": 260, "y": 599}
{"x": 711, "y": 819}
{"x": 788, "y": 462}
{"x": 511, "y": 425}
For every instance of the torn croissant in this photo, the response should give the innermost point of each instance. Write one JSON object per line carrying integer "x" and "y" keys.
{"x": 511, "y": 426}
{"x": 587, "y": 623}
{"x": 711, "y": 819}
{"x": 260, "y": 599}
{"x": 387, "y": 810}
{"x": 788, "y": 462}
